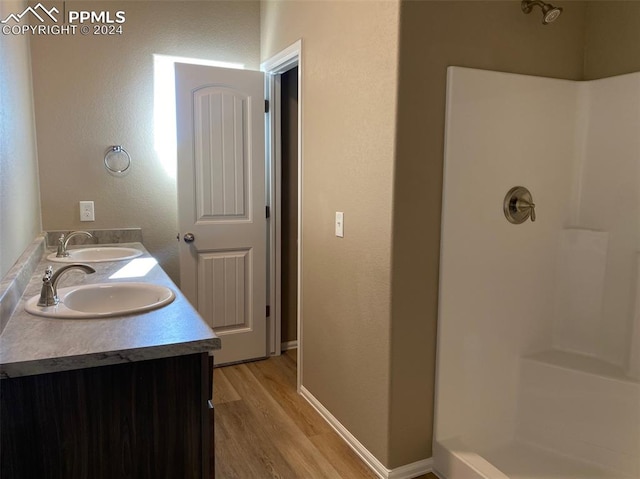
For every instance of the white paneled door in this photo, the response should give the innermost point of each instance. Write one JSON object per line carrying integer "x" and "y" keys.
{"x": 221, "y": 203}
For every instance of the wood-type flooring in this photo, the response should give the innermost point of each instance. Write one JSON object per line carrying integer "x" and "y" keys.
{"x": 265, "y": 430}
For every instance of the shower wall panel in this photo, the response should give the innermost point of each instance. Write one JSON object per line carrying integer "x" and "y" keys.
{"x": 496, "y": 287}
{"x": 558, "y": 296}
{"x": 610, "y": 201}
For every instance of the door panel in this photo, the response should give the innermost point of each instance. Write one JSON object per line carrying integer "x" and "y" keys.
{"x": 221, "y": 200}
{"x": 228, "y": 276}
{"x": 220, "y": 119}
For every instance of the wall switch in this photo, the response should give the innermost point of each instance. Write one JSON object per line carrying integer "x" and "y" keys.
{"x": 86, "y": 211}
{"x": 340, "y": 224}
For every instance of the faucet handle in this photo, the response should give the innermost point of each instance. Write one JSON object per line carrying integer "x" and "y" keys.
{"x": 47, "y": 294}
{"x": 61, "y": 249}
{"x": 47, "y": 274}
{"x": 524, "y": 206}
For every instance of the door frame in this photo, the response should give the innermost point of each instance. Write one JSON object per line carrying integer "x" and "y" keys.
{"x": 273, "y": 69}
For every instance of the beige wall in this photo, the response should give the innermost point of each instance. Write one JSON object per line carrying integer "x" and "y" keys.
{"x": 19, "y": 196}
{"x": 349, "y": 100}
{"x": 92, "y": 92}
{"x": 612, "y": 40}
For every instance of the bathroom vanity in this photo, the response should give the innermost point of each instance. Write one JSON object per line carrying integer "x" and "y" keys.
{"x": 125, "y": 396}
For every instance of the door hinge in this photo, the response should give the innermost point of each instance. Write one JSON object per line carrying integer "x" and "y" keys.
{"x": 268, "y": 310}
{"x": 268, "y": 212}
{"x": 266, "y": 106}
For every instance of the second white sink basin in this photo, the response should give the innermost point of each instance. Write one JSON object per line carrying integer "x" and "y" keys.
{"x": 96, "y": 255}
{"x": 104, "y": 300}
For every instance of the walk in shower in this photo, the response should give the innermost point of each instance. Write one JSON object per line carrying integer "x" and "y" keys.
{"x": 539, "y": 322}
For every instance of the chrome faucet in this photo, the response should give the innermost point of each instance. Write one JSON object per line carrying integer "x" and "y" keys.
{"x": 63, "y": 241}
{"x": 49, "y": 291}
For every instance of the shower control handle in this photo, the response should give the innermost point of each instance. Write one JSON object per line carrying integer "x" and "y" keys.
{"x": 518, "y": 205}
{"x": 524, "y": 205}
{"x": 189, "y": 238}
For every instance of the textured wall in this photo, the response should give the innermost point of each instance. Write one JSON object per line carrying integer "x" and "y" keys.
{"x": 348, "y": 94}
{"x": 19, "y": 196}
{"x": 612, "y": 39}
{"x": 92, "y": 92}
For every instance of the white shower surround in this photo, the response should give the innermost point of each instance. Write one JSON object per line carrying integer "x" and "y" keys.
{"x": 576, "y": 146}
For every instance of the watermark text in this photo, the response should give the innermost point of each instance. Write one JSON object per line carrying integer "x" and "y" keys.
{"x": 40, "y": 20}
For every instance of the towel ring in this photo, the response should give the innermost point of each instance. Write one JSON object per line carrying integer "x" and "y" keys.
{"x": 117, "y": 160}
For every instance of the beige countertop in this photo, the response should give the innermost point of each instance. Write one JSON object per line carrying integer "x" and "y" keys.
{"x": 34, "y": 345}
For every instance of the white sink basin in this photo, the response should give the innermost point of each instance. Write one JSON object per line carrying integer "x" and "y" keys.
{"x": 104, "y": 300}
{"x": 97, "y": 255}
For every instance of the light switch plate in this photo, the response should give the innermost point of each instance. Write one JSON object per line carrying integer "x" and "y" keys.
{"x": 87, "y": 211}
{"x": 340, "y": 224}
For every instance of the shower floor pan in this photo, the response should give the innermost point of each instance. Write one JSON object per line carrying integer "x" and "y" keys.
{"x": 522, "y": 461}
{"x": 577, "y": 418}
{"x": 515, "y": 460}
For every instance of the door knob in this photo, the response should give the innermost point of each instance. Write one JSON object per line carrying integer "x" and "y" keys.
{"x": 188, "y": 238}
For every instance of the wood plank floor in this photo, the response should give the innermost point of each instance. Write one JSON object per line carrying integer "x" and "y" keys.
{"x": 264, "y": 429}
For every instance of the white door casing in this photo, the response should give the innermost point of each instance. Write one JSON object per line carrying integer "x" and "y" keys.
{"x": 274, "y": 67}
{"x": 221, "y": 201}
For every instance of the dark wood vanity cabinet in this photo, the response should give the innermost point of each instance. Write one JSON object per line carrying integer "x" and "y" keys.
{"x": 139, "y": 420}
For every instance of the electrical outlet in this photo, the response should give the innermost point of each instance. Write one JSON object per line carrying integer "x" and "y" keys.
{"x": 86, "y": 211}
{"x": 340, "y": 224}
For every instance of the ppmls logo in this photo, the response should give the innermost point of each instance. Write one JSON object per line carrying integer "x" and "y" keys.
{"x": 35, "y": 11}
{"x": 99, "y": 22}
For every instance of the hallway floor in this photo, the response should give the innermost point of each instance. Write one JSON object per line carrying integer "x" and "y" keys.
{"x": 265, "y": 430}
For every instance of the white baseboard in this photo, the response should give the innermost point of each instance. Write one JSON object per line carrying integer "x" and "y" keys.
{"x": 407, "y": 471}
{"x": 289, "y": 345}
